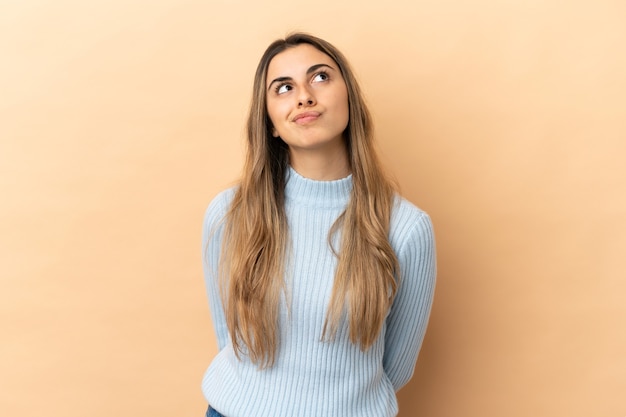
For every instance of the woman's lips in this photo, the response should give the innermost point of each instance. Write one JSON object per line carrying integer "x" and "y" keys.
{"x": 306, "y": 117}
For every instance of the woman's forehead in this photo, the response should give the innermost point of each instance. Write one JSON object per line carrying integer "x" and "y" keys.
{"x": 296, "y": 60}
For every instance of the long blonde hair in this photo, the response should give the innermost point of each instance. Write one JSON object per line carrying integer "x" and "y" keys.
{"x": 255, "y": 246}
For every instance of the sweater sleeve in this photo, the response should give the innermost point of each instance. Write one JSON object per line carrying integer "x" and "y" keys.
{"x": 408, "y": 318}
{"x": 212, "y": 232}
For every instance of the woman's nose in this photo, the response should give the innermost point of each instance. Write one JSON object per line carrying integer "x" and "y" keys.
{"x": 306, "y": 99}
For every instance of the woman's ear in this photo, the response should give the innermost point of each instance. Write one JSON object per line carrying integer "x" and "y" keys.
{"x": 275, "y": 132}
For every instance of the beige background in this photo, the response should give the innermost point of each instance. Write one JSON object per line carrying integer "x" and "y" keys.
{"x": 119, "y": 121}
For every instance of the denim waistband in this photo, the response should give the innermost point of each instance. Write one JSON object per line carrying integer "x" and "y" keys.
{"x": 211, "y": 412}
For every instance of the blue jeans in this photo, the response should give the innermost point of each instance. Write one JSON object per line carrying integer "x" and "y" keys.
{"x": 212, "y": 413}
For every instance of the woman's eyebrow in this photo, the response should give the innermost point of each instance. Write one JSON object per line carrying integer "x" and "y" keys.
{"x": 316, "y": 67}
{"x": 311, "y": 70}
{"x": 279, "y": 80}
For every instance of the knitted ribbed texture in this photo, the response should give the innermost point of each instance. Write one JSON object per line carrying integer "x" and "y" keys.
{"x": 312, "y": 378}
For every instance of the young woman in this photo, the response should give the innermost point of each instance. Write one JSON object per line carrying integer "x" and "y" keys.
{"x": 320, "y": 277}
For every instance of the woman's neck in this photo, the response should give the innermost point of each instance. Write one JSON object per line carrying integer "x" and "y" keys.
{"x": 322, "y": 164}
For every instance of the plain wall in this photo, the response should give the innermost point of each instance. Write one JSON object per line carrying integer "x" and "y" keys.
{"x": 119, "y": 121}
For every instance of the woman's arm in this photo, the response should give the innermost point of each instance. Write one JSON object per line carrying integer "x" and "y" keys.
{"x": 212, "y": 231}
{"x": 408, "y": 318}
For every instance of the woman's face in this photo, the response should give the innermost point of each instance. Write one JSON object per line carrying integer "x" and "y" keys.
{"x": 307, "y": 99}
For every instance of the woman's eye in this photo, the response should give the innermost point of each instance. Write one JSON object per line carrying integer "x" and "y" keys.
{"x": 283, "y": 88}
{"x": 322, "y": 76}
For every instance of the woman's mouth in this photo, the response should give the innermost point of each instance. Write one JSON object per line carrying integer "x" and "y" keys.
{"x": 306, "y": 117}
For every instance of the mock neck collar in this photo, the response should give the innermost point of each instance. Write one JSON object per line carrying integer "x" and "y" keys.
{"x": 326, "y": 194}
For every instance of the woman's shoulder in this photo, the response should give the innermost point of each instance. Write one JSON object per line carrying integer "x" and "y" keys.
{"x": 408, "y": 222}
{"x": 405, "y": 211}
{"x": 219, "y": 205}
{"x": 223, "y": 198}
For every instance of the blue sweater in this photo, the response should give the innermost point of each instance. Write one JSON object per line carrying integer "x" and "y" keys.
{"x": 311, "y": 378}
